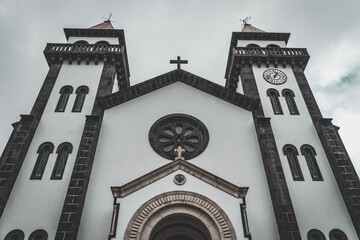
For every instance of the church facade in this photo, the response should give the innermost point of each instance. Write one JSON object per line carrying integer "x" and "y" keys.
{"x": 177, "y": 156}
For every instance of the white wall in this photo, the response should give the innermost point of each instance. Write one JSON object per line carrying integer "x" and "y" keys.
{"x": 318, "y": 204}
{"x": 243, "y": 43}
{"x": 37, "y": 204}
{"x": 124, "y": 154}
{"x": 229, "y": 204}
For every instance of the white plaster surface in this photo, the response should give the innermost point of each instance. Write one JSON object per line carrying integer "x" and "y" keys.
{"x": 318, "y": 204}
{"x": 261, "y": 43}
{"x": 124, "y": 154}
{"x": 37, "y": 204}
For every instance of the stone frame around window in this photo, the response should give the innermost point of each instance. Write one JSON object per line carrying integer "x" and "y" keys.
{"x": 174, "y": 130}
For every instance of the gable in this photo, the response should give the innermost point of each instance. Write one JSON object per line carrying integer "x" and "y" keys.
{"x": 171, "y": 167}
{"x": 187, "y": 78}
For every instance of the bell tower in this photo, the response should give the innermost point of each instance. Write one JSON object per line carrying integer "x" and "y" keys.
{"x": 42, "y": 166}
{"x": 310, "y": 176}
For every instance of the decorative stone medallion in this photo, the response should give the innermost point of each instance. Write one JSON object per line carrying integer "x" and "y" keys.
{"x": 274, "y": 76}
{"x": 178, "y": 130}
{"x": 179, "y": 179}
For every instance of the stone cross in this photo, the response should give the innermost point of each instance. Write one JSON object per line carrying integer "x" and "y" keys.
{"x": 179, "y": 151}
{"x": 179, "y": 62}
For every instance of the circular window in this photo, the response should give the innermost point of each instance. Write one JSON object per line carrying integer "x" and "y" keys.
{"x": 315, "y": 234}
{"x": 16, "y": 234}
{"x": 39, "y": 234}
{"x": 337, "y": 234}
{"x": 178, "y": 136}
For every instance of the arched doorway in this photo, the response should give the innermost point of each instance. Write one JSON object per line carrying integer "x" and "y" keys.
{"x": 180, "y": 227}
{"x": 180, "y": 215}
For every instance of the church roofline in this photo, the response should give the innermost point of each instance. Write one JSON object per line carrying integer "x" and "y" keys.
{"x": 93, "y": 32}
{"x": 261, "y": 36}
{"x": 157, "y": 174}
{"x": 185, "y": 77}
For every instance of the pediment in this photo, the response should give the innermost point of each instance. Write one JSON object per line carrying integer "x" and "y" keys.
{"x": 169, "y": 78}
{"x": 157, "y": 174}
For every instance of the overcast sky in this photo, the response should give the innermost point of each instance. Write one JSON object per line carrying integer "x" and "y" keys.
{"x": 198, "y": 30}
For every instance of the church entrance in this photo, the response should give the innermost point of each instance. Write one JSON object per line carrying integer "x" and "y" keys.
{"x": 180, "y": 227}
{"x": 179, "y": 215}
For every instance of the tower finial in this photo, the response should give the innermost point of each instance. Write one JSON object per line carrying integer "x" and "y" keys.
{"x": 244, "y": 21}
{"x": 109, "y": 18}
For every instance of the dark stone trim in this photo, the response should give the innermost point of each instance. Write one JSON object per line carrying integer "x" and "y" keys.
{"x": 262, "y": 36}
{"x": 119, "y": 33}
{"x": 70, "y": 219}
{"x": 169, "y": 78}
{"x": 170, "y": 122}
{"x": 18, "y": 144}
{"x": 279, "y": 192}
{"x": 339, "y": 160}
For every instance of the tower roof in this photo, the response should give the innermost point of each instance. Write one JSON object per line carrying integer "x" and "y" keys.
{"x": 250, "y": 28}
{"x": 104, "y": 25}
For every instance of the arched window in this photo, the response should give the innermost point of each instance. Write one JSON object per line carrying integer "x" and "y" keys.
{"x": 44, "y": 152}
{"x": 273, "y": 46}
{"x": 274, "y": 99}
{"x": 16, "y": 234}
{"x": 81, "y": 42}
{"x": 64, "y": 97}
{"x": 290, "y": 101}
{"x": 315, "y": 234}
{"x": 337, "y": 234}
{"x": 252, "y": 45}
{"x": 309, "y": 153}
{"x": 63, "y": 152}
{"x": 291, "y": 153}
{"x": 80, "y": 98}
{"x": 39, "y": 234}
{"x": 102, "y": 43}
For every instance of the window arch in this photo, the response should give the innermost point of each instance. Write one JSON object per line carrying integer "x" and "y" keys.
{"x": 315, "y": 234}
{"x": 39, "y": 234}
{"x": 309, "y": 153}
{"x": 44, "y": 152}
{"x": 290, "y": 101}
{"x": 102, "y": 43}
{"x": 337, "y": 234}
{"x": 63, "y": 152}
{"x": 79, "y": 42}
{"x": 16, "y": 234}
{"x": 273, "y": 94}
{"x": 272, "y": 46}
{"x": 63, "y": 99}
{"x": 291, "y": 153}
{"x": 80, "y": 98}
{"x": 252, "y": 45}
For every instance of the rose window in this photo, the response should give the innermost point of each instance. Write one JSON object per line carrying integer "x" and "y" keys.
{"x": 172, "y": 131}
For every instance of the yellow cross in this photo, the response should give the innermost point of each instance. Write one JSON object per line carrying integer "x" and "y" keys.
{"x": 179, "y": 151}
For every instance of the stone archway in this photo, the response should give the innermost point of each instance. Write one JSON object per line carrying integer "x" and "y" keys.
{"x": 211, "y": 221}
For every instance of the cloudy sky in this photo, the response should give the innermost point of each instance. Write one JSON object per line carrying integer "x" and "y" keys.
{"x": 198, "y": 30}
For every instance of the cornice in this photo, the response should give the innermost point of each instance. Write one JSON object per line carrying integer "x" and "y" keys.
{"x": 147, "y": 179}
